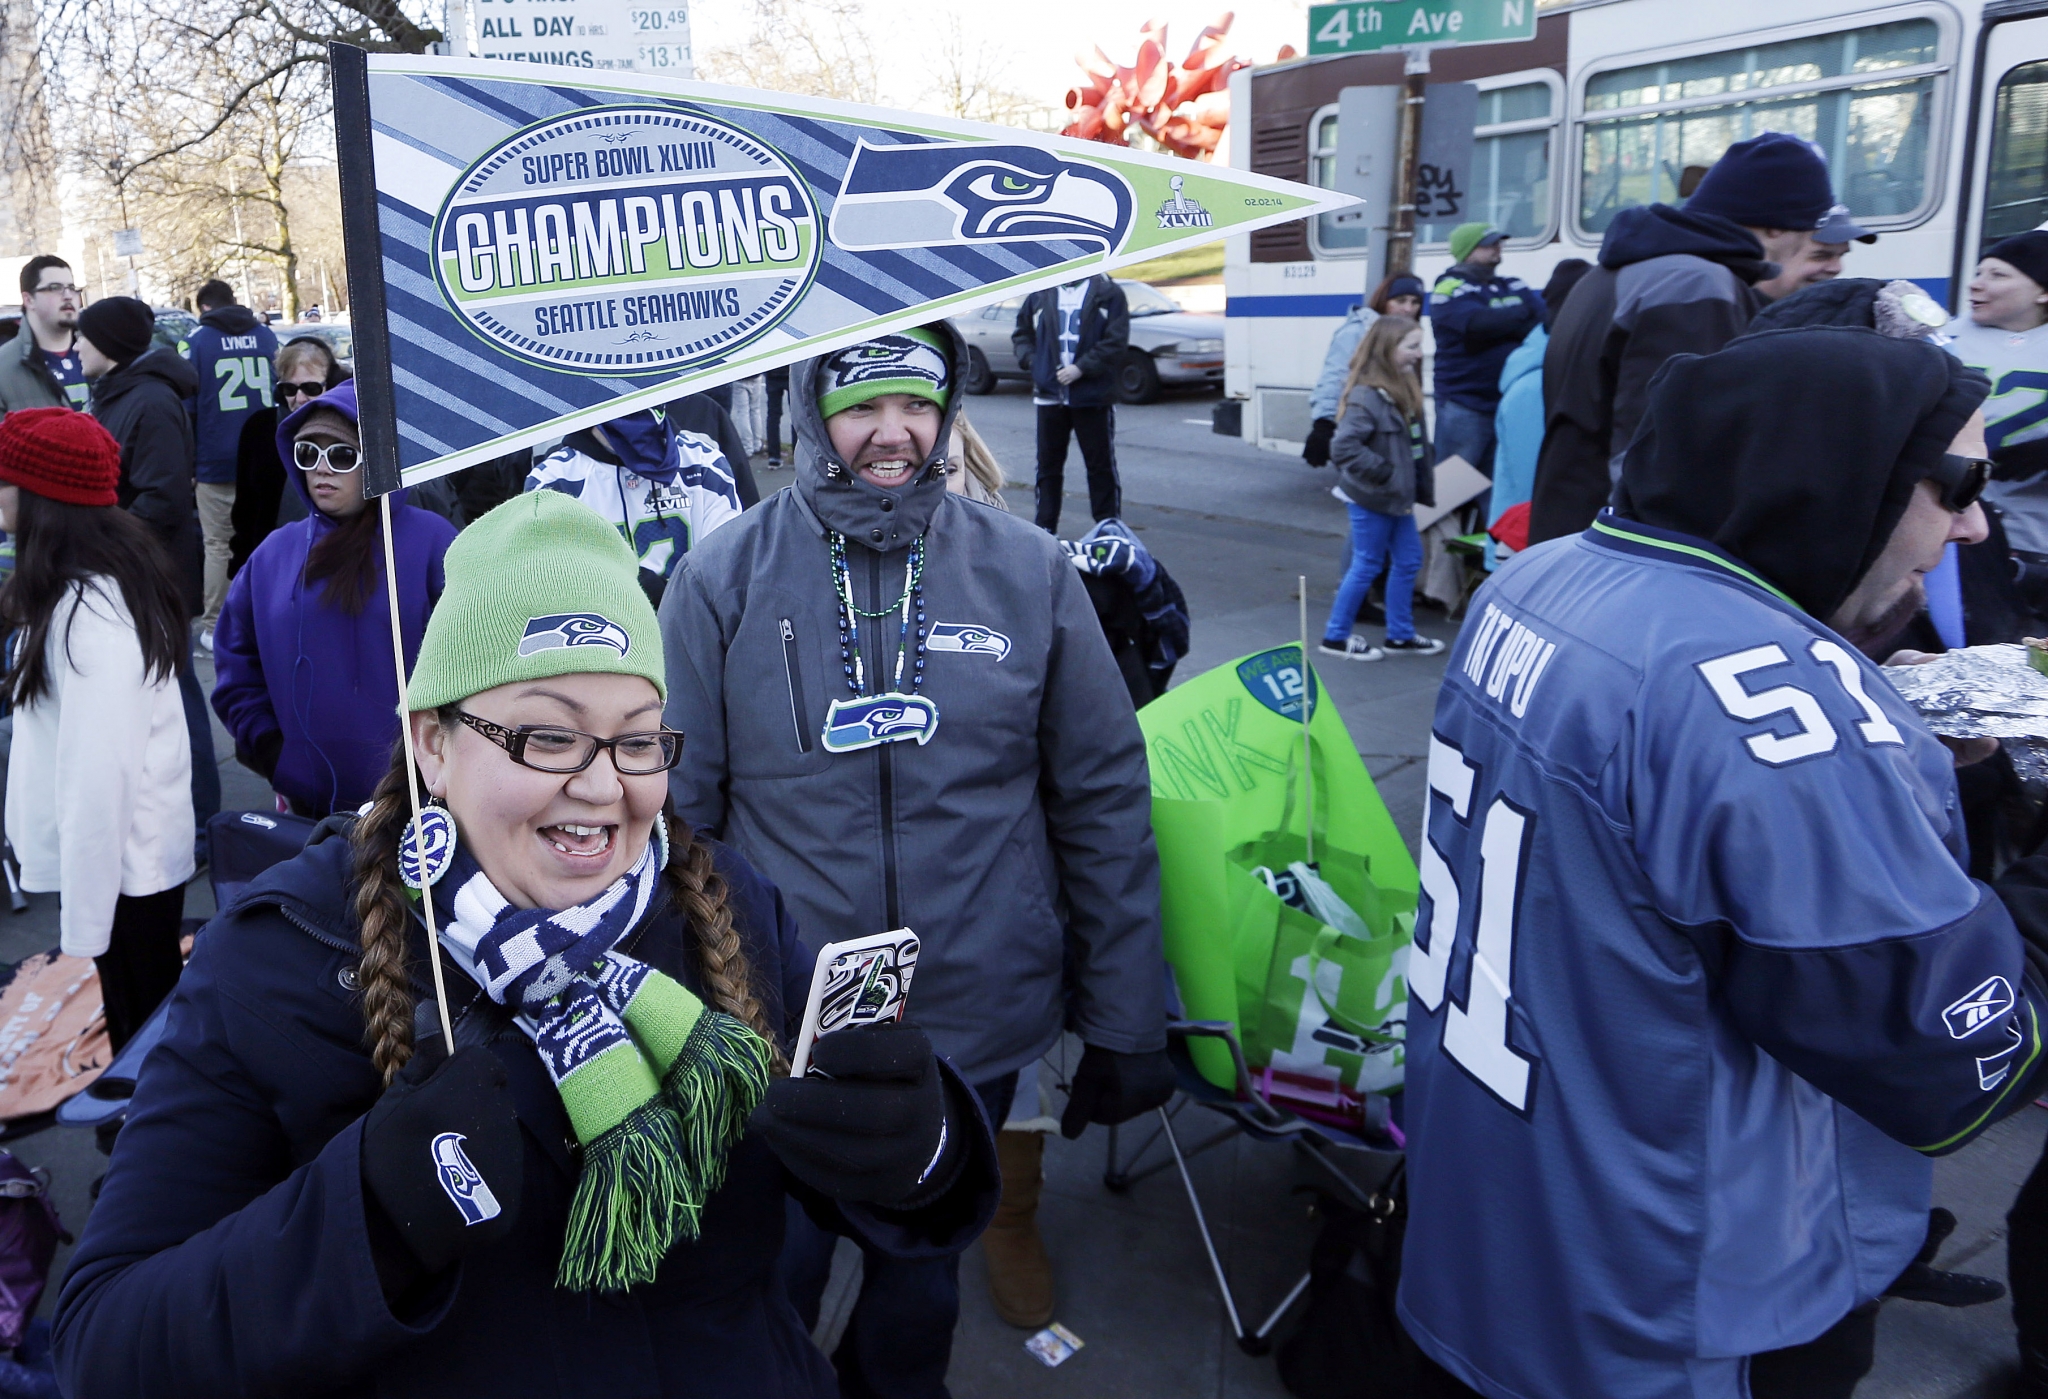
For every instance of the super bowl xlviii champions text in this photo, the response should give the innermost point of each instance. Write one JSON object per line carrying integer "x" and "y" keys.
{"x": 611, "y": 312}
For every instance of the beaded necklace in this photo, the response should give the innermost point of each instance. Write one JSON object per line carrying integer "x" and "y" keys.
{"x": 850, "y": 615}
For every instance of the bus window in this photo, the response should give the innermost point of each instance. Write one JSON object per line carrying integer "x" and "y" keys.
{"x": 2016, "y": 187}
{"x": 1511, "y": 158}
{"x": 1866, "y": 97}
{"x": 1327, "y": 236}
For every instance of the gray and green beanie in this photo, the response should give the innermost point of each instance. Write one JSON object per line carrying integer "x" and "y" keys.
{"x": 540, "y": 586}
{"x": 912, "y": 362}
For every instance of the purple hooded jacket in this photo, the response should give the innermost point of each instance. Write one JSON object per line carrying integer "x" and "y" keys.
{"x": 292, "y": 666}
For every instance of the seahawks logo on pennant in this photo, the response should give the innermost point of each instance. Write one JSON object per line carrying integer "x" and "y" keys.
{"x": 945, "y": 192}
{"x": 463, "y": 1182}
{"x": 562, "y": 629}
{"x": 853, "y": 724}
{"x": 969, "y": 638}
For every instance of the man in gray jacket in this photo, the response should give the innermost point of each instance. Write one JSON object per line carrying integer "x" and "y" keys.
{"x": 40, "y": 367}
{"x": 900, "y": 705}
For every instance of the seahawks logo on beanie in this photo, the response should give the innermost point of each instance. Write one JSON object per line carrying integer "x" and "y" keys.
{"x": 913, "y": 363}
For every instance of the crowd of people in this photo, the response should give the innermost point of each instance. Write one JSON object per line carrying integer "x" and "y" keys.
{"x": 490, "y": 1085}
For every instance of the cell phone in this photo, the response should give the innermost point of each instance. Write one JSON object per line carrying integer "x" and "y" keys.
{"x": 862, "y": 981}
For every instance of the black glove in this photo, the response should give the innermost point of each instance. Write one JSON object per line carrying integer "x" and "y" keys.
{"x": 872, "y": 1126}
{"x": 1110, "y": 1088}
{"x": 1316, "y": 451}
{"x": 442, "y": 1156}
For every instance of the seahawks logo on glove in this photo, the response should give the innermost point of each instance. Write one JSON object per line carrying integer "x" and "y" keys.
{"x": 931, "y": 195}
{"x": 573, "y": 629}
{"x": 464, "y": 1183}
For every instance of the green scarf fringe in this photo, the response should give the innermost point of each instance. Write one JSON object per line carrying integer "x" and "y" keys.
{"x": 714, "y": 1085}
{"x": 645, "y": 1181}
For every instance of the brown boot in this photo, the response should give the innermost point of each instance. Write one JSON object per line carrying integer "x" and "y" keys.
{"x": 1019, "y": 1273}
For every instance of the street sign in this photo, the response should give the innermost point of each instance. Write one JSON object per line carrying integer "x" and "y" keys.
{"x": 127, "y": 242}
{"x": 1410, "y": 24}
{"x": 629, "y": 36}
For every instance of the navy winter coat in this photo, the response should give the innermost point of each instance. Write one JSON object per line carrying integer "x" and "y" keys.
{"x": 229, "y": 1255}
{"x": 1105, "y": 334}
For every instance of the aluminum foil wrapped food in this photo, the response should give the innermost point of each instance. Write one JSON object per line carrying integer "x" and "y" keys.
{"x": 1986, "y": 691}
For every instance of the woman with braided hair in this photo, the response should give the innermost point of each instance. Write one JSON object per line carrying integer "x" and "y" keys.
{"x": 314, "y": 1197}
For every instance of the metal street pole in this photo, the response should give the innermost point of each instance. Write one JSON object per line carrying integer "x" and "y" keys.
{"x": 455, "y": 24}
{"x": 1401, "y": 237}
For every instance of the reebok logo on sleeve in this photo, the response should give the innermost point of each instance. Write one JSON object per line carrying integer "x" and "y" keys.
{"x": 1983, "y": 1006}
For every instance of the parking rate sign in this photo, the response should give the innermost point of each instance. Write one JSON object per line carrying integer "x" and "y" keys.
{"x": 1410, "y": 24}
{"x": 536, "y": 249}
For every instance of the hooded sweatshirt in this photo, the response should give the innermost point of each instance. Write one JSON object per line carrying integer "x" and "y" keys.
{"x": 232, "y": 353}
{"x": 1016, "y": 841}
{"x": 141, "y": 404}
{"x": 1669, "y": 282}
{"x": 305, "y": 688}
{"x": 1743, "y": 987}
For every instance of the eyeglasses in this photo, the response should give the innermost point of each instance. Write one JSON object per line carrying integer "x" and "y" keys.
{"x": 309, "y": 389}
{"x": 1961, "y": 480}
{"x": 335, "y": 456}
{"x": 549, "y": 749}
{"x": 64, "y": 287}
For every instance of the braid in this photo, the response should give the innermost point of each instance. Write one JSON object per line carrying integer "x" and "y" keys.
{"x": 385, "y": 915}
{"x": 702, "y": 892}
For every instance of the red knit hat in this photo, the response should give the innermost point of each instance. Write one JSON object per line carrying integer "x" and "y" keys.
{"x": 60, "y": 453}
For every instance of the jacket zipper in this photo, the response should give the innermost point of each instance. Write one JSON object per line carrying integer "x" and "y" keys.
{"x": 887, "y": 774}
{"x": 799, "y": 703}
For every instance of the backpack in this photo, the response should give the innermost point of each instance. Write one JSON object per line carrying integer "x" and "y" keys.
{"x": 1348, "y": 1344}
{"x": 29, "y": 1234}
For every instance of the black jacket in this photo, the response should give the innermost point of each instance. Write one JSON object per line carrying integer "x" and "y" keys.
{"x": 1669, "y": 282}
{"x": 230, "y": 1254}
{"x": 142, "y": 406}
{"x": 1105, "y": 335}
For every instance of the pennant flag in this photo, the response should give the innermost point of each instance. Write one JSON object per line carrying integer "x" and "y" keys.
{"x": 533, "y": 249}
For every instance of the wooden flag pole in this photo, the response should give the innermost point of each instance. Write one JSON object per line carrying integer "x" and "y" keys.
{"x": 412, "y": 777}
{"x": 1308, "y": 771}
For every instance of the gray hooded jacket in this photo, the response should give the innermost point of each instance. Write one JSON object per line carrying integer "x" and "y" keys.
{"x": 1028, "y": 811}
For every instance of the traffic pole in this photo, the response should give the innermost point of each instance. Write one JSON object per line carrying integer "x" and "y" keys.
{"x": 1401, "y": 237}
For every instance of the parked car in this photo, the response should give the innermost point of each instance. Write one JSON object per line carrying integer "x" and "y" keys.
{"x": 1169, "y": 346}
{"x": 173, "y": 324}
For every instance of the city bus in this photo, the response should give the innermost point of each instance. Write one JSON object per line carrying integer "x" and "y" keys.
{"x": 1933, "y": 115}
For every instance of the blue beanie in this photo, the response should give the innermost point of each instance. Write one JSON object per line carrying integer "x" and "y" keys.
{"x": 1775, "y": 180}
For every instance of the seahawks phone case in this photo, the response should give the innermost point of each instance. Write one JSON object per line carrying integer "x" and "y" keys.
{"x": 863, "y": 981}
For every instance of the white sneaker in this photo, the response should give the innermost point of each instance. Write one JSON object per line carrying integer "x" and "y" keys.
{"x": 1355, "y": 648}
{"x": 206, "y": 641}
{"x": 1414, "y": 646}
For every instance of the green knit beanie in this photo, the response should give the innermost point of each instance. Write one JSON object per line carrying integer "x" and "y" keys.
{"x": 1467, "y": 236}
{"x": 541, "y": 586}
{"x": 913, "y": 362}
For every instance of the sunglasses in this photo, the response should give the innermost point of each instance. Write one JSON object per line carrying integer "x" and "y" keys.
{"x": 335, "y": 456}
{"x": 1961, "y": 480}
{"x": 547, "y": 748}
{"x": 311, "y": 389}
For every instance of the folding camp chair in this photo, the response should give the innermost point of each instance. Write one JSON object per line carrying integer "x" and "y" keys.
{"x": 1245, "y": 1112}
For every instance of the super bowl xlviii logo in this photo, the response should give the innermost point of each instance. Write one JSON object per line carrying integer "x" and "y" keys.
{"x": 562, "y": 629}
{"x": 1181, "y": 211}
{"x": 948, "y": 193}
{"x": 463, "y": 1182}
{"x": 626, "y": 241}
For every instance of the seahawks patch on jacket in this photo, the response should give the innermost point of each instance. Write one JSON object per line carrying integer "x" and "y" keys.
{"x": 573, "y": 629}
{"x": 967, "y": 637}
{"x": 890, "y": 357}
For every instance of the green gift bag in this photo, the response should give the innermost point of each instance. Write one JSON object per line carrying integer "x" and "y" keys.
{"x": 1226, "y": 754}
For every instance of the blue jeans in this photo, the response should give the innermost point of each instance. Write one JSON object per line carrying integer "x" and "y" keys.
{"x": 1373, "y": 536}
{"x": 899, "y": 1340}
{"x": 199, "y": 728}
{"x": 1465, "y": 432}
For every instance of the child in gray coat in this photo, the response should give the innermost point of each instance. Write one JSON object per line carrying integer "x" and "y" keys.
{"x": 1384, "y": 469}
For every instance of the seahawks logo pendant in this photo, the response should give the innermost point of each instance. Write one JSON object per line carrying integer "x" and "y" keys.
{"x": 427, "y": 848}
{"x": 853, "y": 724}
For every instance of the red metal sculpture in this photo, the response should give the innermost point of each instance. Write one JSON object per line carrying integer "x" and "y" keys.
{"x": 1184, "y": 108}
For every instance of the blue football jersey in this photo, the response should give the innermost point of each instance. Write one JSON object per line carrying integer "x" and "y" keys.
{"x": 1699, "y": 981}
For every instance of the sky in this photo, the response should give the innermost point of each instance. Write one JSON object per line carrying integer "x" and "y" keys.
{"x": 1039, "y": 38}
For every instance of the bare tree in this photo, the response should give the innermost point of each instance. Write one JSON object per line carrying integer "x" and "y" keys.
{"x": 967, "y": 83}
{"x": 819, "y": 48}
